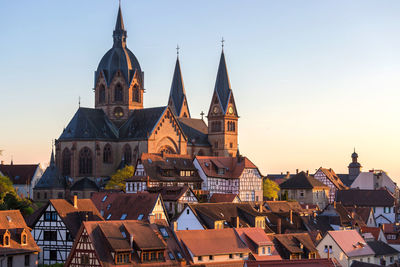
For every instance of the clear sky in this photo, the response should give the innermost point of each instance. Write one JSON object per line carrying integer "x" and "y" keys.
{"x": 311, "y": 79}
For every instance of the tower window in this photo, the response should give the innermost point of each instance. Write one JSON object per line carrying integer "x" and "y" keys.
{"x": 215, "y": 126}
{"x": 128, "y": 154}
{"x": 102, "y": 94}
{"x": 107, "y": 155}
{"x": 231, "y": 126}
{"x": 85, "y": 161}
{"x": 118, "y": 93}
{"x": 135, "y": 94}
{"x": 66, "y": 162}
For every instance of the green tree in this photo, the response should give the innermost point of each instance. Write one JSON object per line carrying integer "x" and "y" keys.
{"x": 270, "y": 189}
{"x": 117, "y": 180}
{"x": 9, "y": 199}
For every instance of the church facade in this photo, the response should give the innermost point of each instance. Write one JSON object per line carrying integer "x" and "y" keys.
{"x": 119, "y": 128}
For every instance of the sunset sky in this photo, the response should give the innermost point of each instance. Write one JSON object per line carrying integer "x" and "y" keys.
{"x": 311, "y": 79}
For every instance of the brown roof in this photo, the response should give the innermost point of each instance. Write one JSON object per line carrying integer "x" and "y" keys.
{"x": 300, "y": 263}
{"x": 170, "y": 193}
{"x": 114, "y": 236}
{"x": 331, "y": 175}
{"x": 219, "y": 197}
{"x": 363, "y": 212}
{"x": 166, "y": 168}
{"x": 135, "y": 206}
{"x": 291, "y": 242}
{"x": 366, "y": 198}
{"x": 13, "y": 221}
{"x": 284, "y": 206}
{"x": 302, "y": 181}
{"x": 212, "y": 242}
{"x": 19, "y": 173}
{"x": 373, "y": 230}
{"x": 233, "y": 166}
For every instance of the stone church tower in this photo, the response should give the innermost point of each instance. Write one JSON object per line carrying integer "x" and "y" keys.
{"x": 354, "y": 167}
{"x": 177, "y": 97}
{"x": 222, "y": 115}
{"x": 119, "y": 79}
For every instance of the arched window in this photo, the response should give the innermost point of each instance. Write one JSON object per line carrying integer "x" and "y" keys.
{"x": 127, "y": 154}
{"x": 107, "y": 156}
{"x": 66, "y": 162}
{"x": 216, "y": 126}
{"x": 23, "y": 242}
{"x": 166, "y": 150}
{"x": 118, "y": 93}
{"x": 135, "y": 94}
{"x": 6, "y": 240}
{"x": 102, "y": 94}
{"x": 85, "y": 161}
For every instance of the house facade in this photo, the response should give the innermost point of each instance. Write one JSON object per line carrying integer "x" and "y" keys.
{"x": 329, "y": 178}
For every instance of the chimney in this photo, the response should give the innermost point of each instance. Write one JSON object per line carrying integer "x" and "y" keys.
{"x": 175, "y": 226}
{"x": 352, "y": 214}
{"x": 260, "y": 209}
{"x": 279, "y": 226}
{"x": 307, "y": 172}
{"x": 334, "y": 204}
{"x": 383, "y": 227}
{"x": 237, "y": 222}
{"x": 151, "y": 218}
{"x": 291, "y": 216}
{"x": 75, "y": 201}
{"x": 297, "y": 171}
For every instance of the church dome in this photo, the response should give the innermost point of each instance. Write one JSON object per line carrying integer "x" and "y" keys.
{"x": 119, "y": 57}
{"x": 354, "y": 155}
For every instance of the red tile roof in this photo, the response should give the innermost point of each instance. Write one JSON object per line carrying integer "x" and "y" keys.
{"x": 170, "y": 193}
{"x": 331, "y": 175}
{"x": 373, "y": 230}
{"x": 351, "y": 243}
{"x": 219, "y": 197}
{"x": 19, "y": 173}
{"x": 300, "y": 263}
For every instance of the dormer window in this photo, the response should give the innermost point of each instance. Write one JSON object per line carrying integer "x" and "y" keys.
{"x": 24, "y": 238}
{"x": 6, "y": 239}
{"x": 221, "y": 171}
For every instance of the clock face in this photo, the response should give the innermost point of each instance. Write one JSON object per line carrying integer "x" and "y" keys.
{"x": 118, "y": 112}
{"x": 230, "y": 110}
{"x": 216, "y": 109}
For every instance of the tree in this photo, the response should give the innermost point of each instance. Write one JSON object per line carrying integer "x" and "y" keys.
{"x": 270, "y": 189}
{"x": 117, "y": 180}
{"x": 9, "y": 199}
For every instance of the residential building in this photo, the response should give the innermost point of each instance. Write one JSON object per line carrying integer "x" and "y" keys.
{"x": 375, "y": 179}
{"x": 329, "y": 178}
{"x": 345, "y": 246}
{"x": 56, "y": 224}
{"x": 295, "y": 246}
{"x": 220, "y": 197}
{"x": 376, "y": 232}
{"x": 339, "y": 218}
{"x": 384, "y": 254}
{"x": 261, "y": 244}
{"x": 381, "y": 200}
{"x": 392, "y": 234}
{"x": 17, "y": 246}
{"x": 220, "y": 215}
{"x": 121, "y": 206}
{"x": 175, "y": 198}
{"x": 306, "y": 190}
{"x": 212, "y": 246}
{"x": 125, "y": 243}
{"x": 279, "y": 178}
{"x": 230, "y": 175}
{"x": 291, "y": 263}
{"x": 365, "y": 213}
{"x": 23, "y": 176}
{"x": 158, "y": 170}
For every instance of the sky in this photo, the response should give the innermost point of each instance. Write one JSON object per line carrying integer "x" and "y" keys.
{"x": 312, "y": 80}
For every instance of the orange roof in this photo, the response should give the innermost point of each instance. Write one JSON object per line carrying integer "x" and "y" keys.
{"x": 212, "y": 242}
{"x": 233, "y": 166}
{"x": 332, "y": 176}
{"x": 220, "y": 197}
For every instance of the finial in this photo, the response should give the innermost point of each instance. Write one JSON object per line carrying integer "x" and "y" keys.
{"x": 79, "y": 102}
{"x": 12, "y": 160}
{"x": 201, "y": 114}
{"x": 354, "y": 150}
{"x": 119, "y": 3}
{"x": 177, "y": 50}
{"x": 222, "y": 43}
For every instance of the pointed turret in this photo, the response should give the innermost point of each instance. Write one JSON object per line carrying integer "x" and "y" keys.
{"x": 52, "y": 161}
{"x": 177, "y": 97}
{"x": 119, "y": 31}
{"x": 222, "y": 84}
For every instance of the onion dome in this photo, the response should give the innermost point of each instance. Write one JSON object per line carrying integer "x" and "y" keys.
{"x": 119, "y": 57}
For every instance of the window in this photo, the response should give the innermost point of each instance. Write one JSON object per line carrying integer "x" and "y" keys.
{"x": 145, "y": 256}
{"x": 84, "y": 259}
{"x": 6, "y": 240}
{"x": 140, "y": 217}
{"x": 164, "y": 232}
{"x": 179, "y": 255}
{"x": 85, "y": 161}
{"x": 45, "y": 195}
{"x": 27, "y": 260}
{"x": 152, "y": 256}
{"x": 211, "y": 257}
{"x": 50, "y": 235}
{"x": 216, "y": 126}
{"x": 108, "y": 217}
{"x": 108, "y": 206}
{"x": 231, "y": 256}
{"x": 66, "y": 162}
{"x": 23, "y": 239}
{"x": 107, "y": 154}
{"x": 123, "y": 217}
{"x": 171, "y": 256}
{"x": 135, "y": 94}
{"x": 38, "y": 195}
{"x": 269, "y": 250}
{"x": 187, "y": 211}
{"x": 241, "y": 255}
{"x": 231, "y": 126}
{"x": 102, "y": 94}
{"x": 9, "y": 261}
{"x": 128, "y": 154}
{"x": 123, "y": 258}
{"x": 199, "y": 258}
{"x": 263, "y": 250}
{"x": 118, "y": 93}
{"x": 160, "y": 256}
{"x": 60, "y": 195}
{"x": 53, "y": 255}
{"x": 104, "y": 198}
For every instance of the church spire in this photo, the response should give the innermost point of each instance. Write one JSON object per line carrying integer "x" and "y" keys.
{"x": 119, "y": 31}
{"x": 177, "y": 96}
{"x": 222, "y": 84}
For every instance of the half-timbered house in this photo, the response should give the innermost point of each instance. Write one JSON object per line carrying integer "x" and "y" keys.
{"x": 127, "y": 243}
{"x": 175, "y": 197}
{"x": 155, "y": 170}
{"x": 56, "y": 224}
{"x": 329, "y": 178}
{"x": 232, "y": 175}
{"x": 17, "y": 246}
{"x": 140, "y": 206}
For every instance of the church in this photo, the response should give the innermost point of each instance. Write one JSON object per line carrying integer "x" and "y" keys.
{"x": 119, "y": 128}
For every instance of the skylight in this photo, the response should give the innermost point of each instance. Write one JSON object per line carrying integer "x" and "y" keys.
{"x": 123, "y": 217}
{"x": 179, "y": 255}
{"x": 149, "y": 160}
{"x": 164, "y": 232}
{"x": 108, "y": 217}
{"x": 140, "y": 217}
{"x": 108, "y": 206}
{"x": 104, "y": 198}
{"x": 123, "y": 234}
{"x": 171, "y": 256}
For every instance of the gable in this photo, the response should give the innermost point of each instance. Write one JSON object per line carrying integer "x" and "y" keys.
{"x": 187, "y": 220}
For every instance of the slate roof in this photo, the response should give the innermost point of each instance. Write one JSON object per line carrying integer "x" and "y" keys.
{"x": 346, "y": 218}
{"x": 89, "y": 124}
{"x": 141, "y": 123}
{"x": 19, "y": 173}
{"x": 366, "y": 198}
{"x": 363, "y": 264}
{"x": 52, "y": 177}
{"x": 212, "y": 242}
{"x": 195, "y": 130}
{"x": 345, "y": 178}
{"x": 13, "y": 221}
{"x": 171, "y": 193}
{"x": 381, "y": 248}
{"x": 222, "y": 84}
{"x": 177, "y": 94}
{"x": 219, "y": 197}
{"x": 302, "y": 181}
{"x": 84, "y": 184}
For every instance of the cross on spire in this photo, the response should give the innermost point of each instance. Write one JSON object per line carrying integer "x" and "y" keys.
{"x": 222, "y": 43}
{"x": 202, "y": 114}
{"x": 79, "y": 101}
{"x": 177, "y": 50}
